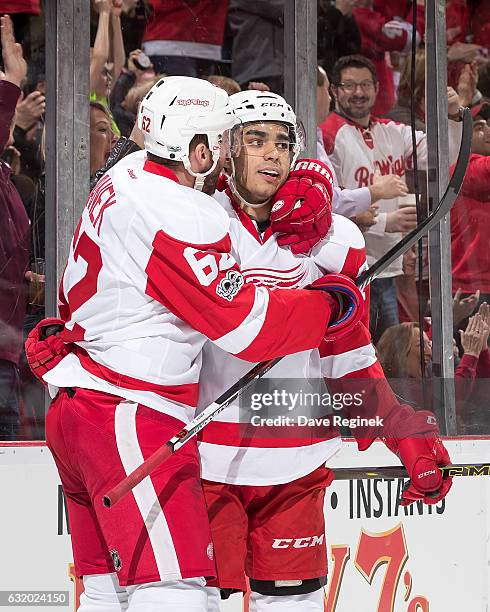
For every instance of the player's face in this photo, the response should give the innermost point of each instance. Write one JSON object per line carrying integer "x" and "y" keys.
{"x": 100, "y": 139}
{"x": 264, "y": 161}
{"x": 356, "y": 94}
{"x": 480, "y": 143}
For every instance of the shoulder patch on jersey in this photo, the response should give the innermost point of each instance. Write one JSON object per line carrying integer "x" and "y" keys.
{"x": 230, "y": 285}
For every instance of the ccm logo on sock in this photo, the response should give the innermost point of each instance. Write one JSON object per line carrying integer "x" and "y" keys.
{"x": 298, "y": 542}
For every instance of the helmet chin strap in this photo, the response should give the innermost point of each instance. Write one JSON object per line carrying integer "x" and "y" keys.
{"x": 200, "y": 176}
{"x": 235, "y": 192}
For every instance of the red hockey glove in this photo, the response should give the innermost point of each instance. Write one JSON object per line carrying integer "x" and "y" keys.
{"x": 349, "y": 303}
{"x": 44, "y": 348}
{"x": 421, "y": 451}
{"x": 301, "y": 214}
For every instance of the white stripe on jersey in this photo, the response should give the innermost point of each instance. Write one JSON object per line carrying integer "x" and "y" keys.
{"x": 338, "y": 366}
{"x": 144, "y": 493}
{"x": 260, "y": 466}
{"x": 239, "y": 338}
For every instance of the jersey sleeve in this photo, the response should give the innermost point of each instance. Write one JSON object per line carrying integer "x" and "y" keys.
{"x": 343, "y": 250}
{"x": 351, "y": 368}
{"x": 351, "y": 202}
{"x": 203, "y": 286}
{"x": 379, "y": 34}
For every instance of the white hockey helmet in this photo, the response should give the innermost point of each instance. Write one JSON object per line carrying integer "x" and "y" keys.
{"x": 175, "y": 110}
{"x": 254, "y": 106}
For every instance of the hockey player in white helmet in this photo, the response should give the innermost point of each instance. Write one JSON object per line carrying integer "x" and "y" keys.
{"x": 150, "y": 278}
{"x": 264, "y": 487}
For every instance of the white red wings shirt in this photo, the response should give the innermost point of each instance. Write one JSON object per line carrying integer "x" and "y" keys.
{"x": 226, "y": 456}
{"x": 385, "y": 147}
{"x": 150, "y": 277}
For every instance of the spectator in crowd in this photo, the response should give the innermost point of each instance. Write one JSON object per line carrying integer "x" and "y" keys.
{"x": 338, "y": 32}
{"x": 358, "y": 203}
{"x": 484, "y": 79}
{"x": 474, "y": 342}
{"x": 401, "y": 112}
{"x": 134, "y": 17}
{"x": 14, "y": 242}
{"x": 184, "y": 37}
{"x": 361, "y": 146}
{"x": 107, "y": 55}
{"x": 125, "y": 114}
{"x": 380, "y": 35}
{"x": 100, "y": 136}
{"x": 480, "y": 23}
{"x": 470, "y": 216}
{"x": 399, "y": 349}
{"x": 132, "y": 84}
{"x": 258, "y": 26}
{"x": 29, "y": 122}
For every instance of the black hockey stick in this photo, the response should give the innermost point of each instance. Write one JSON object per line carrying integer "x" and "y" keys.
{"x": 359, "y": 473}
{"x": 208, "y": 414}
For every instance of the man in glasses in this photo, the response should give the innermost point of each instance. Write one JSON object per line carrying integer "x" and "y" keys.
{"x": 360, "y": 147}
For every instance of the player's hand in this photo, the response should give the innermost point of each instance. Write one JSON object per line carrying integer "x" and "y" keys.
{"x": 301, "y": 214}
{"x": 417, "y": 443}
{"x": 347, "y": 303}
{"x": 387, "y": 187}
{"x": 15, "y": 67}
{"x": 402, "y": 220}
{"x": 44, "y": 347}
{"x": 30, "y": 109}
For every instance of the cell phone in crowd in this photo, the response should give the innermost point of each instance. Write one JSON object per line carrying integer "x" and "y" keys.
{"x": 142, "y": 62}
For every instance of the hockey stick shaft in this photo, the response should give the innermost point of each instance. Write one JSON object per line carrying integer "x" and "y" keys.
{"x": 208, "y": 414}
{"x": 359, "y": 473}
